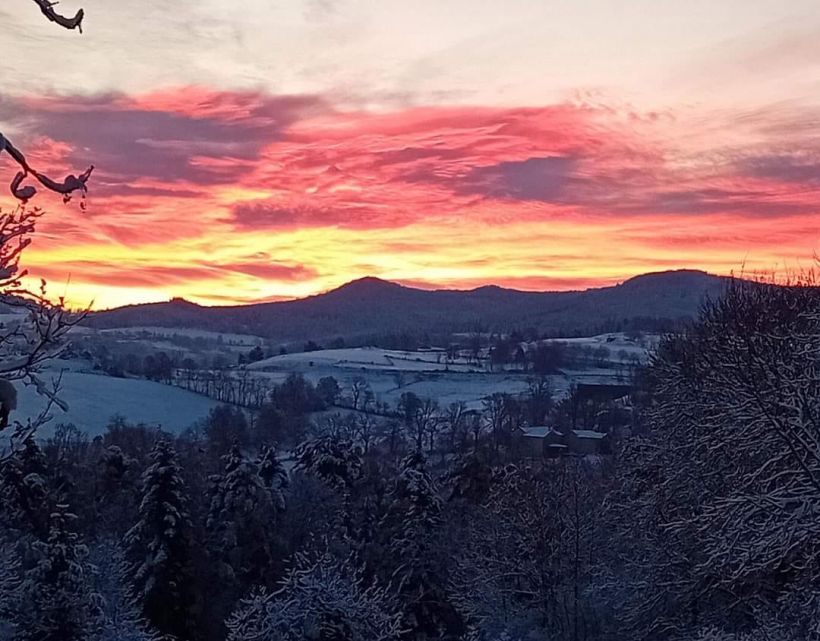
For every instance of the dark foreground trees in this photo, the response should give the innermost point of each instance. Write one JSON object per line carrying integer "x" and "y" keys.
{"x": 704, "y": 527}
{"x": 160, "y": 547}
{"x": 718, "y": 512}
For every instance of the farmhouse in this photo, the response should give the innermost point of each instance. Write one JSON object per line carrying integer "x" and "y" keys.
{"x": 542, "y": 441}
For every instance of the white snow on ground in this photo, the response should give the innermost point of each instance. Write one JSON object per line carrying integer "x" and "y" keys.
{"x": 390, "y": 373}
{"x": 616, "y": 342}
{"x": 367, "y": 358}
{"x": 93, "y": 399}
{"x": 245, "y": 340}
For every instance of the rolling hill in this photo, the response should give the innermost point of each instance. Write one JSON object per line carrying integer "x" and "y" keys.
{"x": 374, "y": 307}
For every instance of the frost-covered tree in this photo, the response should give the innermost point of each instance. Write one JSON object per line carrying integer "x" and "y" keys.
{"x": 336, "y": 462}
{"x": 24, "y": 490}
{"x": 160, "y": 547}
{"x": 528, "y": 546}
{"x": 244, "y": 503}
{"x": 410, "y": 535}
{"x": 56, "y": 599}
{"x": 470, "y": 478}
{"x": 319, "y": 600}
{"x": 718, "y": 504}
{"x": 9, "y": 590}
{"x": 273, "y": 474}
{"x": 120, "y": 617}
{"x": 116, "y": 491}
{"x": 38, "y": 332}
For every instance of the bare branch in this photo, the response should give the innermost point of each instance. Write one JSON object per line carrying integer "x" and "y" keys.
{"x": 47, "y": 7}
{"x": 70, "y": 183}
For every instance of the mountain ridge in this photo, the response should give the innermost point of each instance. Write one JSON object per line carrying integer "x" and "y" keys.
{"x": 373, "y": 306}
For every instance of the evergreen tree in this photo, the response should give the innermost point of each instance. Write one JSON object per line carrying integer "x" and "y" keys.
{"x": 116, "y": 491}
{"x": 24, "y": 493}
{"x": 160, "y": 547}
{"x": 273, "y": 474}
{"x": 245, "y": 501}
{"x": 409, "y": 534}
{"x": 121, "y": 619}
{"x": 335, "y": 461}
{"x": 57, "y": 603}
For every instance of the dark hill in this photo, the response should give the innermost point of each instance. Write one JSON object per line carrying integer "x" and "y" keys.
{"x": 374, "y": 307}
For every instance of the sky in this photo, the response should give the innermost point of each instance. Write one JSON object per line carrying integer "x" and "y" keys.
{"x": 273, "y": 149}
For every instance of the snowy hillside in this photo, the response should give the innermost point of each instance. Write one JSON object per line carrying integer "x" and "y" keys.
{"x": 93, "y": 399}
{"x": 368, "y": 358}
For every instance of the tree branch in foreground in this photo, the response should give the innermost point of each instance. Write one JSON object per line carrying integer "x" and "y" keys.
{"x": 47, "y": 7}
{"x": 23, "y": 193}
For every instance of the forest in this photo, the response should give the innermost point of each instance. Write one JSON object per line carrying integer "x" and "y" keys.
{"x": 701, "y": 526}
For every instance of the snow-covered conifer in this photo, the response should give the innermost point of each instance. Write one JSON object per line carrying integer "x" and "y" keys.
{"x": 159, "y": 546}
{"x": 409, "y": 534}
{"x": 56, "y": 599}
{"x": 120, "y": 615}
{"x": 242, "y": 515}
{"x": 24, "y": 493}
{"x": 273, "y": 474}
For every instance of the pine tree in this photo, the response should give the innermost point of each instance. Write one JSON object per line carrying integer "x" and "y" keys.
{"x": 409, "y": 533}
{"x": 273, "y": 474}
{"x": 117, "y": 491}
{"x": 24, "y": 494}
{"x": 335, "y": 461}
{"x": 159, "y": 546}
{"x": 244, "y": 504}
{"x": 121, "y": 619}
{"x": 56, "y": 597}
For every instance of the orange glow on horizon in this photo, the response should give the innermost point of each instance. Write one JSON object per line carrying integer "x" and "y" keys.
{"x": 230, "y": 198}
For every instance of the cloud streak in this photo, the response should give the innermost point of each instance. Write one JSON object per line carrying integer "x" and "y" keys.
{"x": 199, "y": 189}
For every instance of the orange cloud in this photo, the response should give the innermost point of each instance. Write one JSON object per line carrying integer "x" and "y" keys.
{"x": 231, "y": 197}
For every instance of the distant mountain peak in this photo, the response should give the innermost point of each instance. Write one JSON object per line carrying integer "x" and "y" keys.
{"x": 693, "y": 277}
{"x": 671, "y": 273}
{"x": 367, "y": 285}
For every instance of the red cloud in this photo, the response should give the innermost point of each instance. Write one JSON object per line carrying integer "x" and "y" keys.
{"x": 204, "y": 170}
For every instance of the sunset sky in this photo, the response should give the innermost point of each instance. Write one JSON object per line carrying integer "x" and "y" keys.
{"x": 263, "y": 149}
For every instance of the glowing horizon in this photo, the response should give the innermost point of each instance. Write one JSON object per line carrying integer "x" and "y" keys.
{"x": 449, "y": 161}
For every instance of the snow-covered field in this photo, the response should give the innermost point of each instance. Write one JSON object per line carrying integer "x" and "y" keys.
{"x": 368, "y": 358}
{"x": 618, "y": 344}
{"x": 239, "y": 340}
{"x": 429, "y": 374}
{"x": 93, "y": 399}
{"x": 390, "y": 373}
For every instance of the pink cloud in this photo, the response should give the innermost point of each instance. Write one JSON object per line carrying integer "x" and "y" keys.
{"x": 207, "y": 167}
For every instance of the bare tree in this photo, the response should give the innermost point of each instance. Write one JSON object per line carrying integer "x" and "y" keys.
{"x": 364, "y": 427}
{"x": 521, "y": 558}
{"x": 720, "y": 498}
{"x": 70, "y": 183}
{"x": 37, "y": 332}
{"x": 358, "y": 386}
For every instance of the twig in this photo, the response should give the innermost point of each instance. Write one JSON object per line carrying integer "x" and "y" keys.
{"x": 23, "y": 193}
{"x": 47, "y": 7}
